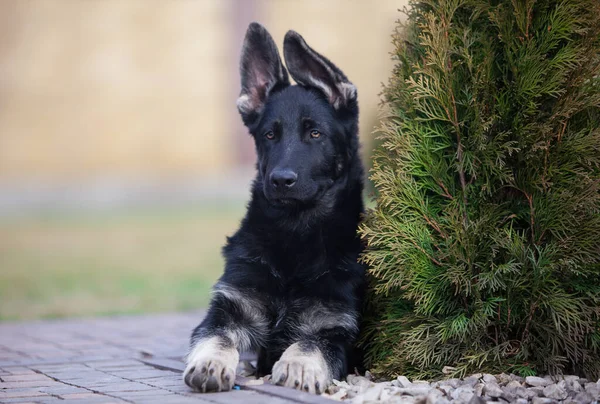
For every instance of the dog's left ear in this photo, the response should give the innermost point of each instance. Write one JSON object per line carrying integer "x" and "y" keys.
{"x": 261, "y": 72}
{"x": 309, "y": 68}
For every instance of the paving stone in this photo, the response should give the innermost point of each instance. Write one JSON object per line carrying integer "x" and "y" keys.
{"x": 142, "y": 395}
{"x": 36, "y": 383}
{"x": 62, "y": 367}
{"x": 179, "y": 388}
{"x": 25, "y": 377}
{"x": 129, "y": 386}
{"x": 73, "y": 396}
{"x": 17, "y": 362}
{"x": 164, "y": 382}
{"x": 142, "y": 374}
{"x": 239, "y": 397}
{"x": 37, "y": 400}
{"x": 179, "y": 399}
{"x": 117, "y": 364}
{"x": 25, "y": 402}
{"x": 97, "y": 399}
{"x": 17, "y": 370}
{"x": 88, "y": 375}
{"x": 62, "y": 389}
{"x": 4, "y": 394}
{"x": 102, "y": 361}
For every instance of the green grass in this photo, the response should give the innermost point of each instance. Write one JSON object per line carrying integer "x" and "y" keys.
{"x": 81, "y": 264}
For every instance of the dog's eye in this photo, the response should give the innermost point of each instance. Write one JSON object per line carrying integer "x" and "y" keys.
{"x": 270, "y": 135}
{"x": 315, "y": 133}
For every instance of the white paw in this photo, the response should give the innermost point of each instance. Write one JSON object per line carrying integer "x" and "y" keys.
{"x": 211, "y": 366}
{"x": 302, "y": 370}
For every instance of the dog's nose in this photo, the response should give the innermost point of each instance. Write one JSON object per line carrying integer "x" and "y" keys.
{"x": 283, "y": 179}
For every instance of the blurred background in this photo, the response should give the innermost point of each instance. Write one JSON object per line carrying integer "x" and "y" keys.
{"x": 123, "y": 161}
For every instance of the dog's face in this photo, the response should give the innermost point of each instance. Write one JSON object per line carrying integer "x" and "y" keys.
{"x": 304, "y": 134}
{"x": 299, "y": 145}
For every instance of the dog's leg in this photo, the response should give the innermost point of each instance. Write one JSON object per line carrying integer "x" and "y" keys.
{"x": 323, "y": 338}
{"x": 235, "y": 322}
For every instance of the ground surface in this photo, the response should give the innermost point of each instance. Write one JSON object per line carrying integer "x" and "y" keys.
{"x": 126, "y": 359}
{"x": 91, "y": 263}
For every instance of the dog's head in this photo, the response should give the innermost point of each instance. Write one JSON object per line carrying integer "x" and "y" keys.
{"x": 306, "y": 135}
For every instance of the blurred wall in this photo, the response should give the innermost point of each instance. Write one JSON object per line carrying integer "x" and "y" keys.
{"x": 144, "y": 90}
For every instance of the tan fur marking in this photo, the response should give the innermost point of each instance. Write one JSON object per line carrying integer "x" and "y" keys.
{"x": 320, "y": 317}
{"x": 253, "y": 310}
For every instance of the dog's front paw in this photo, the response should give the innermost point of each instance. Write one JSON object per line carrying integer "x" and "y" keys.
{"x": 210, "y": 375}
{"x": 302, "y": 370}
{"x": 210, "y": 367}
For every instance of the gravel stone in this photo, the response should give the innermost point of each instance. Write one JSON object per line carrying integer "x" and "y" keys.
{"x": 517, "y": 378}
{"x": 373, "y": 393}
{"x": 542, "y": 400}
{"x": 537, "y": 381}
{"x": 569, "y": 379}
{"x": 479, "y": 389}
{"x": 435, "y": 396}
{"x": 503, "y": 379}
{"x": 464, "y": 394}
{"x": 339, "y": 395}
{"x": 477, "y": 400}
{"x": 492, "y": 390}
{"x": 354, "y": 395}
{"x": 438, "y": 400}
{"x": 522, "y": 392}
{"x": 361, "y": 383}
{"x": 575, "y": 386}
{"x": 507, "y": 396}
{"x": 556, "y": 391}
{"x": 454, "y": 383}
{"x": 536, "y": 391}
{"x": 446, "y": 388}
{"x": 513, "y": 385}
{"x": 592, "y": 389}
{"x": 403, "y": 381}
{"x": 471, "y": 381}
{"x": 415, "y": 390}
{"x": 584, "y": 397}
{"x": 488, "y": 378}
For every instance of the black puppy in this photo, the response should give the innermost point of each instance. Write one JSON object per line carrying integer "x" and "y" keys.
{"x": 292, "y": 287}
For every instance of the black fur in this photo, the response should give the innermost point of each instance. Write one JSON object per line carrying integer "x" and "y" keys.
{"x": 293, "y": 260}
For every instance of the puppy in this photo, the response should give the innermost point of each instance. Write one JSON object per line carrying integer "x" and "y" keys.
{"x": 292, "y": 287}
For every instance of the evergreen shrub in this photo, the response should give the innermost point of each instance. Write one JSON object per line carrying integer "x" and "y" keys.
{"x": 484, "y": 247}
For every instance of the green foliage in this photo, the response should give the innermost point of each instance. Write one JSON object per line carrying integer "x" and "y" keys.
{"x": 484, "y": 248}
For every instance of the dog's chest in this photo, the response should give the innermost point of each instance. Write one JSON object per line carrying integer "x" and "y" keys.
{"x": 297, "y": 261}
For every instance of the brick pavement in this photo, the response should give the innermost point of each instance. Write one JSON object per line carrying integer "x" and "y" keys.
{"x": 125, "y": 359}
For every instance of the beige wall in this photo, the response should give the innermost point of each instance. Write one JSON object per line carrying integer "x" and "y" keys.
{"x": 145, "y": 89}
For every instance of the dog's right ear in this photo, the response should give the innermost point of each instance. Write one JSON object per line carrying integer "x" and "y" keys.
{"x": 309, "y": 68}
{"x": 261, "y": 72}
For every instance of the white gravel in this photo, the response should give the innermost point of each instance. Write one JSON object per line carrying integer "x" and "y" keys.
{"x": 475, "y": 389}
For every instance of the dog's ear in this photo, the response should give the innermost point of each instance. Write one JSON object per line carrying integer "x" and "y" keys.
{"x": 261, "y": 72}
{"x": 309, "y": 68}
